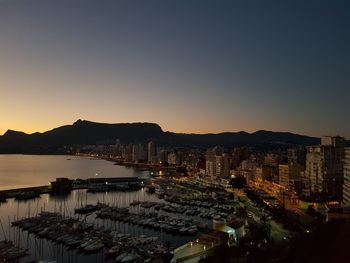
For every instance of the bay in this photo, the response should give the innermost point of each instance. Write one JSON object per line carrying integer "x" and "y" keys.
{"x": 18, "y": 171}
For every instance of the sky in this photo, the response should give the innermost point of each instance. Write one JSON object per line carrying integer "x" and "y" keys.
{"x": 190, "y": 66}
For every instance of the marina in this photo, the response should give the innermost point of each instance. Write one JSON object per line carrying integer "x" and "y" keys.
{"x": 50, "y": 227}
{"x": 100, "y": 227}
{"x": 107, "y": 219}
{"x": 88, "y": 239}
{"x": 9, "y": 252}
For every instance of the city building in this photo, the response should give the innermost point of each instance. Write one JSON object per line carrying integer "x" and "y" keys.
{"x": 217, "y": 164}
{"x": 346, "y": 185}
{"x": 138, "y": 153}
{"x": 297, "y": 156}
{"x": 324, "y": 169}
{"x": 267, "y": 172}
{"x": 152, "y": 152}
{"x": 272, "y": 159}
{"x": 296, "y": 172}
{"x": 283, "y": 171}
{"x": 296, "y": 161}
{"x": 290, "y": 176}
{"x": 174, "y": 158}
{"x": 239, "y": 155}
{"x": 126, "y": 153}
{"x": 335, "y": 141}
{"x": 162, "y": 156}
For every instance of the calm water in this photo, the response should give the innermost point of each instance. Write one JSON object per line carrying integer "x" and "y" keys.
{"x": 18, "y": 171}
{"x": 25, "y": 170}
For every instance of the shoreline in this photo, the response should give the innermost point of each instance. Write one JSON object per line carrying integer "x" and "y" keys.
{"x": 9, "y": 193}
{"x": 143, "y": 166}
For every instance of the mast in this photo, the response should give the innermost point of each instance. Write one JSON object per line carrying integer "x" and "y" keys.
{"x": 3, "y": 230}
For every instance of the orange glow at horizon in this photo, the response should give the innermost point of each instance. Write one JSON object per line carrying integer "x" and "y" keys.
{"x": 30, "y": 127}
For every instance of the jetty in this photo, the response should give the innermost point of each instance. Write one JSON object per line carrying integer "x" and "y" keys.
{"x": 65, "y": 185}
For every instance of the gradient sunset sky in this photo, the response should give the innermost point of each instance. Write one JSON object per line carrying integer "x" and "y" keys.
{"x": 190, "y": 66}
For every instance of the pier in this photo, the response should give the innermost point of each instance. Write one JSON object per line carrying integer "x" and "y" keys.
{"x": 57, "y": 187}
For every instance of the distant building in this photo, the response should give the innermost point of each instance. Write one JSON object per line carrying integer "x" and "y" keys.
{"x": 174, "y": 158}
{"x": 283, "y": 171}
{"x": 346, "y": 185}
{"x": 290, "y": 176}
{"x": 324, "y": 168}
{"x": 138, "y": 153}
{"x": 272, "y": 159}
{"x": 152, "y": 152}
{"x": 297, "y": 156}
{"x": 239, "y": 155}
{"x": 296, "y": 172}
{"x": 217, "y": 164}
{"x": 336, "y": 141}
{"x": 126, "y": 152}
{"x": 162, "y": 156}
{"x": 267, "y": 172}
{"x": 248, "y": 165}
{"x": 296, "y": 162}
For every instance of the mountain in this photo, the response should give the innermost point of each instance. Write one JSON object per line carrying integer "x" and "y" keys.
{"x": 79, "y": 133}
{"x": 242, "y": 138}
{"x": 87, "y": 132}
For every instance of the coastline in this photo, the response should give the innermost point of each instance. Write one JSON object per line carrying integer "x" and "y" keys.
{"x": 143, "y": 166}
{"x": 42, "y": 189}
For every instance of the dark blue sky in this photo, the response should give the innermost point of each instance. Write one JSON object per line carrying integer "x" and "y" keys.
{"x": 191, "y": 66}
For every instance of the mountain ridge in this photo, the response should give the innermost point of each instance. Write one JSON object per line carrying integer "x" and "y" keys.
{"x": 87, "y": 132}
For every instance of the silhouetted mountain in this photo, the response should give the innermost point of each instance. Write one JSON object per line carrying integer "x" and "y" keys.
{"x": 259, "y": 138}
{"x": 86, "y": 132}
{"x": 80, "y": 133}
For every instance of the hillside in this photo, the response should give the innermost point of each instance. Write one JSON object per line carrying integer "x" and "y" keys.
{"x": 87, "y": 132}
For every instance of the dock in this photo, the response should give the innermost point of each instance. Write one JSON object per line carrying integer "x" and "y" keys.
{"x": 76, "y": 184}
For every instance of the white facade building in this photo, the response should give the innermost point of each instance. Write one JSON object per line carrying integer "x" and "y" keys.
{"x": 216, "y": 164}
{"x": 324, "y": 168}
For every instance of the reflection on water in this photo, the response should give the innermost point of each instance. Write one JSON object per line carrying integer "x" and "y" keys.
{"x": 43, "y": 249}
{"x": 17, "y": 171}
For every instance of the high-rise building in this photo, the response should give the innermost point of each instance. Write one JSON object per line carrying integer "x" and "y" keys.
{"x": 290, "y": 176}
{"x": 162, "y": 156}
{"x": 346, "y": 185}
{"x": 297, "y": 156}
{"x": 267, "y": 172}
{"x": 138, "y": 153}
{"x": 239, "y": 155}
{"x": 126, "y": 152}
{"x": 296, "y": 172}
{"x": 152, "y": 152}
{"x": 335, "y": 141}
{"x": 217, "y": 164}
{"x": 283, "y": 171}
{"x": 324, "y": 168}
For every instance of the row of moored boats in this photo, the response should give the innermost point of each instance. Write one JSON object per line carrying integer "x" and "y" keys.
{"x": 86, "y": 238}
